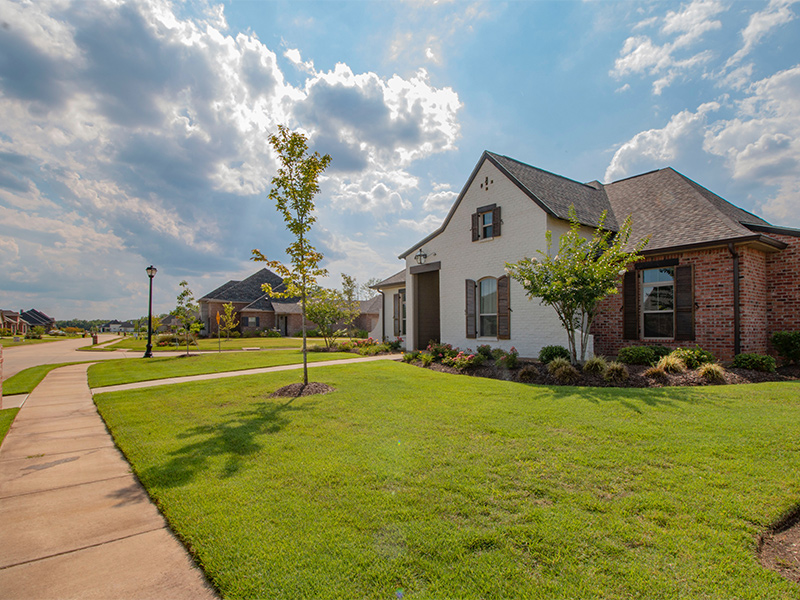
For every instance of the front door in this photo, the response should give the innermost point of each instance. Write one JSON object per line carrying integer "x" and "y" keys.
{"x": 282, "y": 325}
{"x": 427, "y": 308}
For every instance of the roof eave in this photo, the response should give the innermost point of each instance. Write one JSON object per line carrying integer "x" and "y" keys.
{"x": 770, "y": 245}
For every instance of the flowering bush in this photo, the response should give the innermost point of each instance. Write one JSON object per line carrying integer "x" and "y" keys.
{"x": 441, "y": 351}
{"x": 394, "y": 345}
{"x": 507, "y": 360}
{"x": 485, "y": 350}
{"x": 462, "y": 361}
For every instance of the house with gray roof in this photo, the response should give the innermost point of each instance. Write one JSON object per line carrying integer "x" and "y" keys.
{"x": 256, "y": 311}
{"x": 713, "y": 274}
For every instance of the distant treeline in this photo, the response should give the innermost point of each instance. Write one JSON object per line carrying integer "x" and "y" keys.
{"x": 81, "y": 323}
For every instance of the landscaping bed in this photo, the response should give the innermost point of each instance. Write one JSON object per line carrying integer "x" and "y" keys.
{"x": 637, "y": 378}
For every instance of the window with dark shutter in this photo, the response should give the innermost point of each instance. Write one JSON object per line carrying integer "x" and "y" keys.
{"x": 258, "y": 322}
{"x": 470, "y": 310}
{"x": 496, "y": 221}
{"x": 503, "y": 308}
{"x": 630, "y": 319}
{"x": 475, "y": 233}
{"x": 486, "y": 223}
{"x": 684, "y": 303}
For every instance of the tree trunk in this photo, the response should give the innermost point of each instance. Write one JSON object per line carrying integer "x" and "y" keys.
{"x": 305, "y": 351}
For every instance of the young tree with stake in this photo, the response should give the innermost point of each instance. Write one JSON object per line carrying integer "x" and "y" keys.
{"x": 293, "y": 191}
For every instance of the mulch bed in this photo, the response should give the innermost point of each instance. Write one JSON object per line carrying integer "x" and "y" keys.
{"x": 296, "y": 390}
{"x": 637, "y": 378}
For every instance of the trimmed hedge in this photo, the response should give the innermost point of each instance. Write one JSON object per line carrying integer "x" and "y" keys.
{"x": 754, "y": 362}
{"x": 787, "y": 343}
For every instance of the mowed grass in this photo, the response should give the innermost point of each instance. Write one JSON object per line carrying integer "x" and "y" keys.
{"x": 130, "y": 370}
{"x": 6, "y": 419}
{"x": 211, "y": 344}
{"x": 447, "y": 486}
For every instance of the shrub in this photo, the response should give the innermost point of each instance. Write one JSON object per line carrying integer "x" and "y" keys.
{"x": 441, "y": 351}
{"x": 251, "y": 333}
{"x": 548, "y": 353}
{"x": 235, "y": 334}
{"x": 462, "y": 361}
{"x": 35, "y": 333}
{"x": 410, "y": 357}
{"x": 271, "y": 333}
{"x": 394, "y": 345}
{"x": 485, "y": 350}
{"x": 637, "y": 355}
{"x": 359, "y": 333}
{"x": 346, "y": 346}
{"x": 656, "y": 373}
{"x": 616, "y": 372}
{"x": 507, "y": 360}
{"x": 754, "y": 362}
{"x": 309, "y": 333}
{"x": 318, "y": 348}
{"x": 787, "y": 343}
{"x": 565, "y": 373}
{"x": 73, "y": 330}
{"x": 557, "y": 363}
{"x": 6, "y": 332}
{"x": 660, "y": 351}
{"x": 596, "y": 364}
{"x": 693, "y": 357}
{"x": 712, "y": 372}
{"x": 671, "y": 364}
{"x": 528, "y": 374}
{"x": 427, "y": 359}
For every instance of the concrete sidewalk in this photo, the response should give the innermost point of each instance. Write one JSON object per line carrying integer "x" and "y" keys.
{"x": 226, "y": 374}
{"x": 75, "y": 521}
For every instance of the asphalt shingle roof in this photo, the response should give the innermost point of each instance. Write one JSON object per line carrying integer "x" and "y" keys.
{"x": 248, "y": 290}
{"x": 398, "y": 278}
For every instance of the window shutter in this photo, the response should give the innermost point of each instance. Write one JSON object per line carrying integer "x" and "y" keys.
{"x": 630, "y": 312}
{"x": 396, "y": 314}
{"x": 471, "y": 328}
{"x": 475, "y": 231}
{"x": 503, "y": 308}
{"x": 258, "y": 321}
{"x": 496, "y": 224}
{"x": 684, "y": 303}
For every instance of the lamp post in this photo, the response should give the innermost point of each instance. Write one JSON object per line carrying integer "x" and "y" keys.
{"x": 148, "y": 352}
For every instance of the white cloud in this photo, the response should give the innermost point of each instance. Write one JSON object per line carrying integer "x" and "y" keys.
{"x": 658, "y": 147}
{"x": 761, "y": 24}
{"x": 640, "y": 55}
{"x": 426, "y": 225}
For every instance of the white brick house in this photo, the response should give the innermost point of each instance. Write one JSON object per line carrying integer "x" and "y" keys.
{"x": 459, "y": 293}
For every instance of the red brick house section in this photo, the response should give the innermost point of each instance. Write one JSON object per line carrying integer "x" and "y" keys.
{"x": 783, "y": 294}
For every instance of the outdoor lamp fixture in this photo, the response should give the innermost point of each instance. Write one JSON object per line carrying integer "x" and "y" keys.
{"x": 148, "y": 352}
{"x": 420, "y": 257}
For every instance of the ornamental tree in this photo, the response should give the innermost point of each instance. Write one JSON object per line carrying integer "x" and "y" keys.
{"x": 329, "y": 310}
{"x": 293, "y": 191}
{"x": 186, "y": 313}
{"x": 579, "y": 276}
{"x": 228, "y": 319}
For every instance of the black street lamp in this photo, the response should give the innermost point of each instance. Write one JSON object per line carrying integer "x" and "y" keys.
{"x": 148, "y": 352}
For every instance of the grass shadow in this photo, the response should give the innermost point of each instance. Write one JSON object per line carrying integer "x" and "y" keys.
{"x": 234, "y": 438}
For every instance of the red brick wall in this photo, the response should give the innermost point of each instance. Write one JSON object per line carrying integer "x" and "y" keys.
{"x": 713, "y": 295}
{"x": 783, "y": 296}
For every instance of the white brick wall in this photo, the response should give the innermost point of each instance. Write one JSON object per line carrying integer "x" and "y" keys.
{"x": 524, "y": 225}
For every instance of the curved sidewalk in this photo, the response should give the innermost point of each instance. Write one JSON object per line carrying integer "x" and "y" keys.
{"x": 226, "y": 374}
{"x": 75, "y": 521}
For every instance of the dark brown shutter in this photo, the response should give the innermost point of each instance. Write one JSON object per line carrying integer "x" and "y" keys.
{"x": 470, "y": 312}
{"x": 396, "y": 314}
{"x": 684, "y": 303}
{"x": 630, "y": 312}
{"x": 496, "y": 225}
{"x": 503, "y": 308}
{"x": 475, "y": 232}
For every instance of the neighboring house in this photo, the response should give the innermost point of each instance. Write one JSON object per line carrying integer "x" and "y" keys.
{"x": 126, "y": 327}
{"x": 713, "y": 275}
{"x": 255, "y": 310}
{"x": 112, "y": 326}
{"x": 36, "y": 318}
{"x": 12, "y": 321}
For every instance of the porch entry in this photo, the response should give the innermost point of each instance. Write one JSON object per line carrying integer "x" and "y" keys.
{"x": 426, "y": 304}
{"x": 283, "y": 326}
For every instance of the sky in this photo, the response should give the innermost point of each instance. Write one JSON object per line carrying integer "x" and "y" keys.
{"x": 136, "y": 133}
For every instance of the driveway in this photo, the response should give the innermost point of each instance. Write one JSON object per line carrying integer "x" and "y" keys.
{"x": 21, "y": 357}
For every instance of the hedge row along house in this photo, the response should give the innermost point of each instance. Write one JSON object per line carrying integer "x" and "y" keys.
{"x": 713, "y": 275}
{"x": 257, "y": 312}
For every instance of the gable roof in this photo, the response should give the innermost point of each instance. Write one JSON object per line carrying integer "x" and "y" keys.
{"x": 675, "y": 211}
{"x": 398, "y": 278}
{"x": 552, "y": 193}
{"x": 36, "y": 317}
{"x": 248, "y": 290}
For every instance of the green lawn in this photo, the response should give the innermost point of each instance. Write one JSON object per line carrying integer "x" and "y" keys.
{"x": 212, "y": 344}
{"x": 130, "y": 370}
{"x": 27, "y": 379}
{"x": 446, "y": 486}
{"x": 6, "y": 418}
